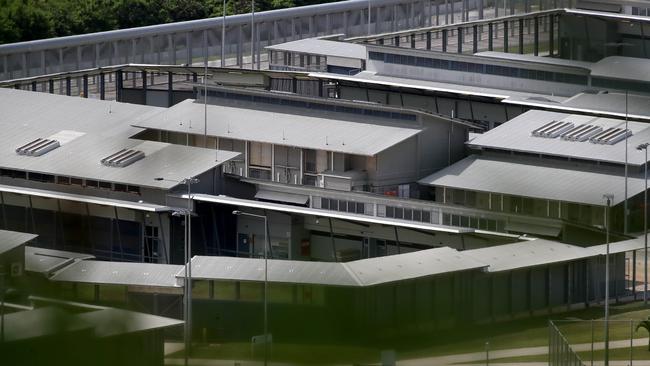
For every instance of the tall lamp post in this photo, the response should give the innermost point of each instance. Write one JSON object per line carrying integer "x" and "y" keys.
{"x": 2, "y": 303}
{"x": 644, "y": 147}
{"x": 266, "y": 280}
{"x": 187, "y": 296}
{"x": 609, "y": 198}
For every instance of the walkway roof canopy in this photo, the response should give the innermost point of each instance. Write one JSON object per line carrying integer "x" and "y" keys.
{"x": 48, "y": 261}
{"x": 277, "y": 126}
{"x": 523, "y": 179}
{"x": 363, "y": 272}
{"x": 10, "y": 240}
{"x": 120, "y": 273}
{"x": 528, "y": 254}
{"x": 139, "y": 206}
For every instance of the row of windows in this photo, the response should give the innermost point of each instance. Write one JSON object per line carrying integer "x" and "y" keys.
{"x": 408, "y": 214}
{"x": 343, "y": 205}
{"x": 312, "y": 105}
{"x": 513, "y": 72}
{"x": 48, "y": 178}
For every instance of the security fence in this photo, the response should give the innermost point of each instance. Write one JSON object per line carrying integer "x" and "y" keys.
{"x": 192, "y": 42}
{"x": 577, "y": 342}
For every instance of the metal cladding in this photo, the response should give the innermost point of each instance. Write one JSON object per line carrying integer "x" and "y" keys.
{"x": 38, "y": 147}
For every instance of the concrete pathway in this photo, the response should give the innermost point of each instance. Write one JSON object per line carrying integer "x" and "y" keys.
{"x": 459, "y": 359}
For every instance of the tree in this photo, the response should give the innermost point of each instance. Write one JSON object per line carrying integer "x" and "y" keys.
{"x": 645, "y": 324}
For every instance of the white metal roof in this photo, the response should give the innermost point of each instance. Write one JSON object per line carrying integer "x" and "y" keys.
{"x": 423, "y": 263}
{"x": 603, "y": 14}
{"x": 601, "y": 104}
{"x": 10, "y": 240}
{"x": 279, "y": 126}
{"x": 535, "y": 59}
{"x": 90, "y": 130}
{"x": 516, "y": 135}
{"x": 252, "y": 269}
{"x": 120, "y": 273}
{"x": 528, "y": 254}
{"x": 494, "y": 175}
{"x": 371, "y": 77}
{"x": 363, "y": 272}
{"x": 625, "y": 68}
{"x": 111, "y": 321}
{"x": 140, "y": 206}
{"x": 326, "y": 213}
{"x": 46, "y": 261}
{"x": 620, "y": 246}
{"x": 316, "y": 46}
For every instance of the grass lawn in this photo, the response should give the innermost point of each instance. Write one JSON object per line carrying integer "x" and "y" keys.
{"x": 528, "y": 332}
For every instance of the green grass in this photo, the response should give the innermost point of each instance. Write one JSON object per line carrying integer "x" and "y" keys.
{"x": 293, "y": 353}
{"x": 530, "y": 332}
{"x": 527, "y": 332}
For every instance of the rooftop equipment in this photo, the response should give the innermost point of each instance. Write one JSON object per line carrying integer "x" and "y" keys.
{"x": 553, "y": 129}
{"x": 581, "y": 133}
{"x": 38, "y": 147}
{"x": 611, "y": 136}
{"x": 122, "y": 158}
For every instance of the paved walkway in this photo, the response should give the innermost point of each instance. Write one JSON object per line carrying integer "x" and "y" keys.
{"x": 517, "y": 352}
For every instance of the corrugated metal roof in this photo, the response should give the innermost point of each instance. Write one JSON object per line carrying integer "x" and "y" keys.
{"x": 316, "y": 46}
{"x": 326, "y": 213}
{"x": 364, "y": 272}
{"x": 516, "y": 135}
{"x": 101, "y": 129}
{"x": 407, "y": 266}
{"x": 252, "y": 269}
{"x": 625, "y": 68}
{"x": 140, "y": 206}
{"x": 370, "y": 77}
{"x": 484, "y": 174}
{"x": 120, "y": 273}
{"x": 528, "y": 254}
{"x": 602, "y": 104}
{"x": 276, "y": 126}
{"x": 10, "y": 240}
{"x": 535, "y": 59}
{"x": 47, "y": 261}
{"x": 110, "y": 322}
{"x": 609, "y": 15}
{"x": 620, "y": 246}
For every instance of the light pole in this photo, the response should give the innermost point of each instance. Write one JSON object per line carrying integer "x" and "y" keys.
{"x": 2, "y": 303}
{"x": 644, "y": 147}
{"x": 266, "y": 280}
{"x": 223, "y": 36}
{"x": 187, "y": 303}
{"x": 252, "y": 34}
{"x": 609, "y": 198}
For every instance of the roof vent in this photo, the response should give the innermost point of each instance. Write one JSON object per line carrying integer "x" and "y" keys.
{"x": 38, "y": 147}
{"x": 611, "y": 136}
{"x": 553, "y": 129}
{"x": 122, "y": 158}
{"x": 581, "y": 133}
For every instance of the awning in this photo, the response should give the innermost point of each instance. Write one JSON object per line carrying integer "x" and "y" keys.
{"x": 140, "y": 206}
{"x": 296, "y": 199}
{"x": 535, "y": 229}
{"x": 621, "y": 246}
